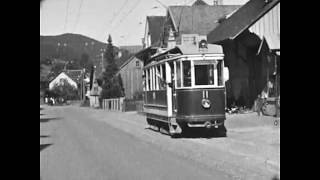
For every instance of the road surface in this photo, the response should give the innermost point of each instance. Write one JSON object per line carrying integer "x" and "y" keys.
{"x": 74, "y": 145}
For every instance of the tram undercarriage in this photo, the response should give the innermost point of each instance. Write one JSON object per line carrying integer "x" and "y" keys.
{"x": 170, "y": 126}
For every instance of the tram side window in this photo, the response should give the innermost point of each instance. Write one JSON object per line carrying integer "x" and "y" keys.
{"x": 162, "y": 81}
{"x": 220, "y": 73}
{"x": 178, "y": 73}
{"x": 204, "y": 74}
{"x": 158, "y": 78}
{"x": 186, "y": 73}
{"x": 149, "y": 79}
{"x": 144, "y": 84}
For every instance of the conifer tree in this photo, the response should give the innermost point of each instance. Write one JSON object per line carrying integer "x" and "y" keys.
{"x": 111, "y": 87}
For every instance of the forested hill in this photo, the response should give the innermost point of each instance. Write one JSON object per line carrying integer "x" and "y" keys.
{"x": 69, "y": 46}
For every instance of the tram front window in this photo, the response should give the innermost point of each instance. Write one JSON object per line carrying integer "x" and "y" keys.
{"x": 204, "y": 74}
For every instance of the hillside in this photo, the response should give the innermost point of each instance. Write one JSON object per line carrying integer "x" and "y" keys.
{"x": 69, "y": 46}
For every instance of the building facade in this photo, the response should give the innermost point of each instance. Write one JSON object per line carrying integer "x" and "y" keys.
{"x": 131, "y": 74}
{"x": 251, "y": 42}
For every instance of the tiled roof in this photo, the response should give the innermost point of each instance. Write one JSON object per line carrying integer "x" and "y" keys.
{"x": 241, "y": 20}
{"x": 199, "y": 19}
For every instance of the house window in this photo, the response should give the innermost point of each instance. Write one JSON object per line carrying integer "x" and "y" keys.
{"x": 137, "y": 64}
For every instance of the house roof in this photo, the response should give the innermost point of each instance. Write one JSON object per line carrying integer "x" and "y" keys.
{"x": 155, "y": 24}
{"x": 75, "y": 75}
{"x": 241, "y": 20}
{"x": 146, "y": 53}
{"x": 127, "y": 61}
{"x": 198, "y": 19}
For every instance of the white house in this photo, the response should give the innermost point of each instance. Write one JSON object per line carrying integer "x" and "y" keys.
{"x": 59, "y": 80}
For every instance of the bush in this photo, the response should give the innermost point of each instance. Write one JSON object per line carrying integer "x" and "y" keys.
{"x": 65, "y": 90}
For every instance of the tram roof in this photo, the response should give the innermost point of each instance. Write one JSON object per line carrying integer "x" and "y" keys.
{"x": 187, "y": 50}
{"x": 191, "y": 50}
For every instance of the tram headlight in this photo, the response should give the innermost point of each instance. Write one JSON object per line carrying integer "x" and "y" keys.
{"x": 206, "y": 103}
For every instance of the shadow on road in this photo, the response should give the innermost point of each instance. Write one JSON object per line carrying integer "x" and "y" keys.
{"x": 196, "y": 133}
{"x": 202, "y": 134}
{"x": 44, "y": 136}
{"x": 43, "y": 146}
{"x": 44, "y": 120}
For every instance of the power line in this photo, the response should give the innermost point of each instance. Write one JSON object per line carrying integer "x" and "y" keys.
{"x": 129, "y": 12}
{"x": 117, "y": 13}
{"x": 78, "y": 16}
{"x": 162, "y": 4}
{"x": 66, "y": 19}
{"x": 114, "y": 16}
{"x": 125, "y": 16}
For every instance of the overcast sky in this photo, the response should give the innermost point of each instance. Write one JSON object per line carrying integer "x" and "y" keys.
{"x": 123, "y": 19}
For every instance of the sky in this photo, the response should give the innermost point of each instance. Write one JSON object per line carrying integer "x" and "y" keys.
{"x": 123, "y": 19}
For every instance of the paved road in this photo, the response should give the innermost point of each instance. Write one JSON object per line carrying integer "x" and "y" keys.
{"x": 74, "y": 146}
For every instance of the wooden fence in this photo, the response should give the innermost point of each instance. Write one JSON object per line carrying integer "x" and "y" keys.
{"x": 115, "y": 104}
{"x": 121, "y": 104}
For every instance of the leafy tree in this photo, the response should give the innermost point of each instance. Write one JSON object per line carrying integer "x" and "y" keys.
{"x": 74, "y": 64}
{"x": 64, "y": 90}
{"x": 85, "y": 62}
{"x": 111, "y": 87}
{"x": 57, "y": 68}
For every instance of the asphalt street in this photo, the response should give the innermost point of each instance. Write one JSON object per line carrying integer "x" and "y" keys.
{"x": 75, "y": 146}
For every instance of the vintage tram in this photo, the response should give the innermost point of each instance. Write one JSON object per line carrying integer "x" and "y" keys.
{"x": 184, "y": 89}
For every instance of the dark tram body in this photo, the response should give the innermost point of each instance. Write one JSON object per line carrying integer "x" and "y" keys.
{"x": 184, "y": 88}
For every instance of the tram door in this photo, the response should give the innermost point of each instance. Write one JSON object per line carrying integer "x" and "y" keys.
{"x": 171, "y": 98}
{"x": 174, "y": 94}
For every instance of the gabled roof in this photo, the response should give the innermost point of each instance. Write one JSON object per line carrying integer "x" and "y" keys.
{"x": 241, "y": 20}
{"x": 75, "y": 75}
{"x": 155, "y": 24}
{"x": 127, "y": 61}
{"x": 198, "y": 19}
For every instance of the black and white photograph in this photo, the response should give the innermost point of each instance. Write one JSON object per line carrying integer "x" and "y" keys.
{"x": 159, "y": 89}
